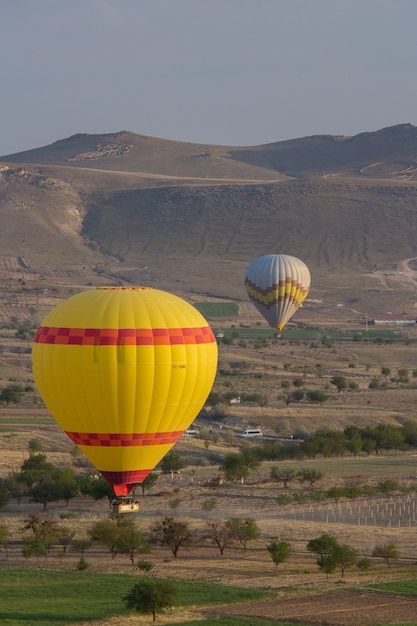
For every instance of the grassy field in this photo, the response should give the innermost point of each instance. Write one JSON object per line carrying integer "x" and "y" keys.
{"x": 55, "y": 598}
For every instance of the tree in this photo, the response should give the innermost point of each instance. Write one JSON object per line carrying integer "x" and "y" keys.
{"x": 332, "y": 554}
{"x": 243, "y": 530}
{"x": 131, "y": 541}
{"x": 66, "y": 486}
{"x": 323, "y": 545}
{"x": 149, "y": 482}
{"x": 120, "y": 535}
{"x": 99, "y": 488}
{"x": 149, "y": 596}
{"x": 172, "y": 533}
{"x": 171, "y": 463}
{"x": 339, "y": 382}
{"x": 64, "y": 537}
{"x": 44, "y": 535}
{"x": 11, "y": 393}
{"x": 387, "y": 551}
{"x": 317, "y": 396}
{"x": 106, "y": 532}
{"x": 208, "y": 505}
{"x": 221, "y": 534}
{"x": 81, "y": 545}
{"x": 4, "y": 537}
{"x": 279, "y": 551}
{"x": 34, "y": 469}
{"x": 310, "y": 476}
{"x": 237, "y": 466}
{"x": 346, "y": 556}
{"x": 4, "y": 492}
{"x": 282, "y": 474}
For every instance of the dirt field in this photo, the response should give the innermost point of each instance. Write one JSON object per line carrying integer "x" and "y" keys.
{"x": 346, "y": 607}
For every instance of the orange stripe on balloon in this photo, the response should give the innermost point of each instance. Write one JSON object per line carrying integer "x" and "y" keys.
{"x": 124, "y": 439}
{"x": 123, "y": 336}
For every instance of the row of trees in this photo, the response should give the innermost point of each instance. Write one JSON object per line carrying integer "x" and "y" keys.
{"x": 120, "y": 535}
{"x": 353, "y": 440}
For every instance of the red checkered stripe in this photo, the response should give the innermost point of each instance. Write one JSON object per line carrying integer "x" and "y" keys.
{"x": 124, "y": 439}
{"x": 123, "y": 480}
{"x": 123, "y": 336}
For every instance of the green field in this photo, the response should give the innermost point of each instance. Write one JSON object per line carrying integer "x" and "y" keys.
{"x": 55, "y": 598}
{"x": 217, "y": 309}
{"x": 307, "y": 334}
{"x": 397, "y": 586}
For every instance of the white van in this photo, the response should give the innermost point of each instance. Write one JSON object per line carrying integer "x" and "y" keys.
{"x": 191, "y": 432}
{"x": 251, "y": 432}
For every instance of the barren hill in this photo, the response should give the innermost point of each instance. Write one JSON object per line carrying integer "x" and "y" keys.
{"x": 189, "y": 218}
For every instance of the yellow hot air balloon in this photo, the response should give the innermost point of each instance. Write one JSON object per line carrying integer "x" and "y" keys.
{"x": 124, "y": 371}
{"x": 277, "y": 284}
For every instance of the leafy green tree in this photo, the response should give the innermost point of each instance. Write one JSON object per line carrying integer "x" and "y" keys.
{"x": 243, "y": 530}
{"x": 297, "y": 395}
{"x": 317, "y": 396}
{"x": 15, "y": 486}
{"x": 66, "y": 485}
{"x": 327, "y": 563}
{"x": 81, "y": 545}
{"x": 98, "y": 488}
{"x": 323, "y": 545}
{"x": 121, "y": 536}
{"x": 173, "y": 533}
{"x": 4, "y": 537}
{"x": 171, "y": 463}
{"x": 279, "y": 551}
{"x": 149, "y": 482}
{"x": 131, "y": 541}
{"x": 340, "y": 382}
{"x": 388, "y": 437}
{"x": 387, "y": 551}
{"x": 64, "y": 536}
{"x": 4, "y": 492}
{"x": 388, "y": 485}
{"x": 283, "y": 474}
{"x": 11, "y": 394}
{"x": 410, "y": 434}
{"x": 345, "y": 556}
{"x": 364, "y": 564}
{"x": 298, "y": 382}
{"x": 209, "y": 504}
{"x": 310, "y": 476}
{"x": 237, "y": 466}
{"x": 35, "y": 445}
{"x": 34, "y": 469}
{"x": 105, "y": 532}
{"x": 150, "y": 596}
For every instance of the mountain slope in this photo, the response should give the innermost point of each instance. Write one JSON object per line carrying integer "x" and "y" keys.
{"x": 189, "y": 218}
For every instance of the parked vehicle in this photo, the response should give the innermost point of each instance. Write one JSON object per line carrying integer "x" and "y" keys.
{"x": 191, "y": 433}
{"x": 252, "y": 432}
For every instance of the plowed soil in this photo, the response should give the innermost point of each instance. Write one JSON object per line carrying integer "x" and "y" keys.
{"x": 339, "y": 608}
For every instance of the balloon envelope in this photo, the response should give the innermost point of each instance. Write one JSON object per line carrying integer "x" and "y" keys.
{"x": 124, "y": 371}
{"x": 277, "y": 284}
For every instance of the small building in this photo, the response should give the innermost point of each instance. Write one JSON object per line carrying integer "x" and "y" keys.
{"x": 393, "y": 320}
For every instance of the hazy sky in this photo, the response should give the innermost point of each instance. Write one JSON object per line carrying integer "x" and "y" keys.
{"x": 232, "y": 72}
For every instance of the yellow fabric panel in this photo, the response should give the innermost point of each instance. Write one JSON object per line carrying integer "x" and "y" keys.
{"x": 109, "y": 459}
